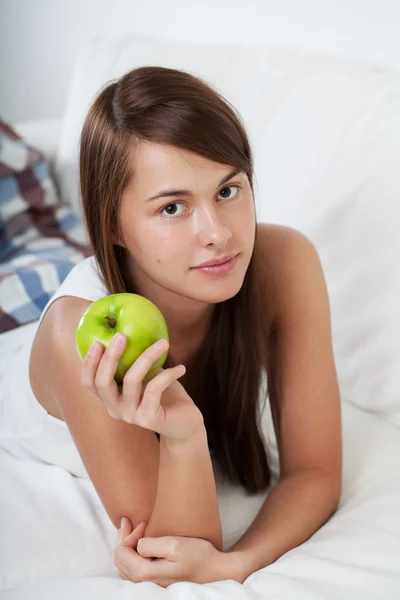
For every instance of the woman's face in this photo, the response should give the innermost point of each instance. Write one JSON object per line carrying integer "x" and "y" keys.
{"x": 168, "y": 236}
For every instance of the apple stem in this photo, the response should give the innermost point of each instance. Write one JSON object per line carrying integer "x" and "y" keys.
{"x": 111, "y": 321}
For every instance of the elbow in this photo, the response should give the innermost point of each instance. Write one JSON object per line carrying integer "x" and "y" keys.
{"x": 157, "y": 530}
{"x": 337, "y": 494}
{"x": 328, "y": 487}
{"x": 116, "y": 520}
{"x": 334, "y": 485}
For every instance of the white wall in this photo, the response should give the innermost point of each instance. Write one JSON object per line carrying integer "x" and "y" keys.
{"x": 39, "y": 39}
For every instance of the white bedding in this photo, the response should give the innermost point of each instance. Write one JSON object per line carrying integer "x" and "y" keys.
{"x": 57, "y": 541}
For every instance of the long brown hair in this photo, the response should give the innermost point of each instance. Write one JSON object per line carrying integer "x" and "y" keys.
{"x": 165, "y": 105}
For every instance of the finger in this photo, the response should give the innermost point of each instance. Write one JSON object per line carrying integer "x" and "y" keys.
{"x": 145, "y": 569}
{"x": 124, "y": 531}
{"x": 132, "y": 384}
{"x": 126, "y": 526}
{"x": 90, "y": 365}
{"x": 150, "y": 409}
{"x": 105, "y": 384}
{"x": 133, "y": 538}
{"x": 122, "y": 571}
{"x": 131, "y": 563}
{"x": 143, "y": 574}
{"x": 166, "y": 547}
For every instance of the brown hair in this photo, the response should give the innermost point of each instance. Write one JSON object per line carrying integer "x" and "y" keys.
{"x": 165, "y": 105}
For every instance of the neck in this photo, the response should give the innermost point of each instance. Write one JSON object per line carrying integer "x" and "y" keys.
{"x": 188, "y": 319}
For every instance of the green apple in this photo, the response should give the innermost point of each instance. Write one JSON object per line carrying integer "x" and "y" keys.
{"x": 131, "y": 314}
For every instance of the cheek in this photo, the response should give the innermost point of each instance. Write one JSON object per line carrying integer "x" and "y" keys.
{"x": 163, "y": 254}
{"x": 167, "y": 244}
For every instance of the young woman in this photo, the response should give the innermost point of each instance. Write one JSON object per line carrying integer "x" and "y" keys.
{"x": 166, "y": 176}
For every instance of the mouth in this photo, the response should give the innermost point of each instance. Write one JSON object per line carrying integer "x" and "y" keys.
{"x": 216, "y": 261}
{"x": 218, "y": 269}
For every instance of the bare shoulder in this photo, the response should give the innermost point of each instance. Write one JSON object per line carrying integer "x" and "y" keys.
{"x": 63, "y": 315}
{"x": 59, "y": 309}
{"x": 288, "y": 254}
{"x": 282, "y": 243}
{"x": 57, "y": 327}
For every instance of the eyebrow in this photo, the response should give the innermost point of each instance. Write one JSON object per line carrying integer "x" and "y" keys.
{"x": 172, "y": 192}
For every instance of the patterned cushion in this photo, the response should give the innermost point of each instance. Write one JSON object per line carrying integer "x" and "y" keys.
{"x": 41, "y": 238}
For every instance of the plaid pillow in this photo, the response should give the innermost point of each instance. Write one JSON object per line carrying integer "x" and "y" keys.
{"x": 41, "y": 237}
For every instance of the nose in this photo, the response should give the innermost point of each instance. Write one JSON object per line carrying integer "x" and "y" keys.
{"x": 210, "y": 228}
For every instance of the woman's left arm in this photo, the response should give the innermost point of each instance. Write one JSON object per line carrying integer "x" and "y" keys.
{"x": 307, "y": 414}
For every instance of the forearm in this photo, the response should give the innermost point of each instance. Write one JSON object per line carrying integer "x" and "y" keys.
{"x": 293, "y": 511}
{"x": 186, "y": 499}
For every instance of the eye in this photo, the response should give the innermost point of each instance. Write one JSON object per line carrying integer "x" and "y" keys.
{"x": 231, "y": 186}
{"x": 175, "y": 215}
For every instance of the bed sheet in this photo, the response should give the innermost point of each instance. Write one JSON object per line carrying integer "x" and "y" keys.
{"x": 57, "y": 541}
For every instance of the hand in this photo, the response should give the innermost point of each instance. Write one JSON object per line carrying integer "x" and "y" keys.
{"x": 166, "y": 560}
{"x": 140, "y": 403}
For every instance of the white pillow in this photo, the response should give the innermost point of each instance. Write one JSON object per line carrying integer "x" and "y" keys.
{"x": 325, "y": 133}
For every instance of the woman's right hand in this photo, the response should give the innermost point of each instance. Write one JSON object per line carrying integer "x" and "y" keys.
{"x": 160, "y": 404}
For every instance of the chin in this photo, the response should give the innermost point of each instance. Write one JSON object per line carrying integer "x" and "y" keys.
{"x": 221, "y": 291}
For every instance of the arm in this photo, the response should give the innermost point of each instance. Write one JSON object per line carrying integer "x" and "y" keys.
{"x": 297, "y": 507}
{"x": 186, "y": 499}
{"x": 306, "y": 412}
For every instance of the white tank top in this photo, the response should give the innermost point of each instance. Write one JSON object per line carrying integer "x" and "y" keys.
{"x": 84, "y": 281}
{"x": 27, "y": 430}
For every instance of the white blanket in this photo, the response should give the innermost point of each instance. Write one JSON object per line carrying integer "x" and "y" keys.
{"x": 57, "y": 540}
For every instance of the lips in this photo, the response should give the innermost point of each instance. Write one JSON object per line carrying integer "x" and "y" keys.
{"x": 219, "y": 270}
{"x": 216, "y": 261}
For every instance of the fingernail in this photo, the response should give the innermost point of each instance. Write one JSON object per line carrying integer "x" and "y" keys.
{"x": 122, "y": 522}
{"x": 160, "y": 344}
{"x": 93, "y": 349}
{"x": 117, "y": 339}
